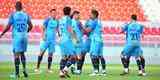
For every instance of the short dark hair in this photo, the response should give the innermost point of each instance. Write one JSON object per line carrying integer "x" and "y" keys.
{"x": 134, "y": 16}
{"x": 52, "y": 10}
{"x": 18, "y": 6}
{"x": 74, "y": 12}
{"x": 95, "y": 13}
{"x": 66, "y": 10}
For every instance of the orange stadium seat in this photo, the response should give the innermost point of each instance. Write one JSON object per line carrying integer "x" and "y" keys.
{"x": 118, "y": 10}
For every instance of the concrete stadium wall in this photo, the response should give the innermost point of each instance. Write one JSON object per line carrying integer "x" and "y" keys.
{"x": 111, "y": 54}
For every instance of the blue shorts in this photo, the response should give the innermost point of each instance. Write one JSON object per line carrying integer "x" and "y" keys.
{"x": 19, "y": 45}
{"x": 50, "y": 45}
{"x": 86, "y": 45}
{"x": 79, "y": 48}
{"x": 67, "y": 48}
{"x": 96, "y": 48}
{"x": 134, "y": 51}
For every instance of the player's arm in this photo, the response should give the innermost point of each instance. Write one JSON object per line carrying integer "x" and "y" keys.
{"x": 29, "y": 24}
{"x": 142, "y": 31}
{"x": 57, "y": 29}
{"x": 100, "y": 25}
{"x": 58, "y": 33}
{"x": 124, "y": 28}
{"x": 10, "y": 22}
{"x": 43, "y": 33}
{"x": 88, "y": 29}
{"x": 82, "y": 27}
{"x": 73, "y": 34}
{"x": 45, "y": 24}
{"x": 5, "y": 30}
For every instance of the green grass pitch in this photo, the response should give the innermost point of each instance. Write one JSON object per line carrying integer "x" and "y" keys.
{"x": 113, "y": 71}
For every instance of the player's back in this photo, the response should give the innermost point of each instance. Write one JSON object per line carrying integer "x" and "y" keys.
{"x": 76, "y": 25}
{"x": 97, "y": 32}
{"x": 64, "y": 25}
{"x": 19, "y": 21}
{"x": 133, "y": 33}
{"x": 98, "y": 28}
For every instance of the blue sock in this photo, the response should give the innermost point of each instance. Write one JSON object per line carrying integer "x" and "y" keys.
{"x": 23, "y": 60}
{"x": 17, "y": 62}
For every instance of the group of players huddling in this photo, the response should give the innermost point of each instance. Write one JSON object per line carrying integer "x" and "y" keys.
{"x": 74, "y": 39}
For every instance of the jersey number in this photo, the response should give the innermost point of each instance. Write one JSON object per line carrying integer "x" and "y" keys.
{"x": 20, "y": 27}
{"x": 134, "y": 36}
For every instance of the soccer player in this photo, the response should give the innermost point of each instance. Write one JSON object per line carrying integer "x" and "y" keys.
{"x": 49, "y": 39}
{"x": 78, "y": 31}
{"x": 86, "y": 46}
{"x": 66, "y": 44}
{"x": 96, "y": 46}
{"x": 133, "y": 31}
{"x": 21, "y": 25}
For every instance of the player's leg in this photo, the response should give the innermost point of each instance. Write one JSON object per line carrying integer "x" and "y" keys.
{"x": 23, "y": 61}
{"x": 125, "y": 62}
{"x": 19, "y": 47}
{"x": 75, "y": 58}
{"x": 51, "y": 50}
{"x": 72, "y": 53}
{"x": 79, "y": 49}
{"x": 63, "y": 62}
{"x": 50, "y": 55}
{"x": 102, "y": 59}
{"x": 69, "y": 61}
{"x": 128, "y": 61}
{"x": 80, "y": 62}
{"x": 17, "y": 63}
{"x": 43, "y": 47}
{"x": 65, "y": 51}
{"x": 40, "y": 57}
{"x": 23, "y": 57}
{"x": 103, "y": 63}
{"x": 140, "y": 61}
{"x": 72, "y": 59}
{"x": 143, "y": 63}
{"x": 125, "y": 59}
{"x": 86, "y": 48}
{"x": 95, "y": 63}
{"x": 139, "y": 64}
{"x": 94, "y": 54}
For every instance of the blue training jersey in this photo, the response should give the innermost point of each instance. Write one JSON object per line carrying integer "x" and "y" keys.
{"x": 91, "y": 23}
{"x": 64, "y": 25}
{"x": 133, "y": 32}
{"x": 19, "y": 21}
{"x": 50, "y": 25}
{"x": 97, "y": 32}
{"x": 77, "y": 28}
